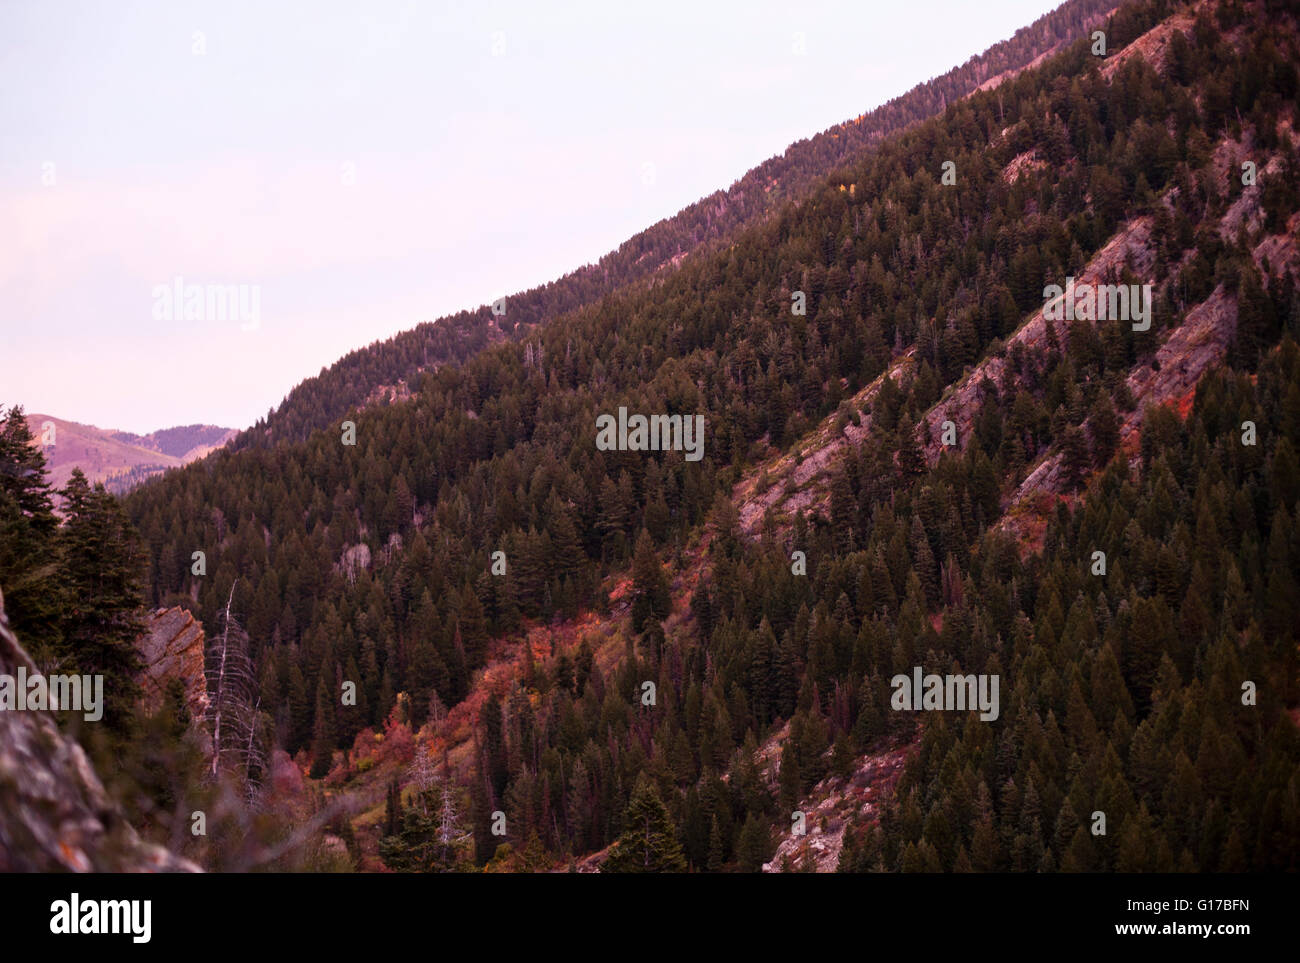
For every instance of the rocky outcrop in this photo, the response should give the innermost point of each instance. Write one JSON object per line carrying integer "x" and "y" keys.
{"x": 1152, "y": 46}
{"x": 172, "y": 648}
{"x": 55, "y": 815}
{"x": 1131, "y": 248}
{"x": 798, "y": 481}
{"x": 1022, "y": 164}
{"x": 1197, "y": 346}
{"x": 832, "y": 807}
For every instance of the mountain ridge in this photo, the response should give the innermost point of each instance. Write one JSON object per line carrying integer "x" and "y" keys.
{"x": 121, "y": 459}
{"x": 365, "y": 374}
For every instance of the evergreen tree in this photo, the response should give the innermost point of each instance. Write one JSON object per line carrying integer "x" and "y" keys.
{"x": 29, "y": 560}
{"x": 415, "y": 848}
{"x": 1074, "y": 457}
{"x": 102, "y": 566}
{"x": 716, "y": 857}
{"x": 498, "y": 768}
{"x": 648, "y": 843}
{"x": 651, "y": 595}
{"x": 325, "y": 734}
{"x": 754, "y": 847}
{"x": 392, "y": 809}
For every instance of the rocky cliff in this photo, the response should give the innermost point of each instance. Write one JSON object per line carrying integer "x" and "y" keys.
{"x": 54, "y": 812}
{"x": 172, "y": 648}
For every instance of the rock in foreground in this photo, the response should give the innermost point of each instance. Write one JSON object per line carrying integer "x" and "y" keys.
{"x": 54, "y": 812}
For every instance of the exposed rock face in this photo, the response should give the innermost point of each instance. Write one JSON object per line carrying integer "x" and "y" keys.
{"x": 55, "y": 815}
{"x": 1152, "y": 46}
{"x": 172, "y": 648}
{"x": 800, "y": 480}
{"x": 1131, "y": 247}
{"x": 831, "y": 808}
{"x": 1190, "y": 351}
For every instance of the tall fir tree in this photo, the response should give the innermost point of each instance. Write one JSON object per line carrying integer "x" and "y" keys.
{"x": 102, "y": 567}
{"x": 649, "y": 840}
{"x": 651, "y": 593}
{"x": 29, "y": 557}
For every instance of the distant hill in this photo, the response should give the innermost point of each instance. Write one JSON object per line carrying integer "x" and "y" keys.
{"x": 178, "y": 442}
{"x": 121, "y": 459}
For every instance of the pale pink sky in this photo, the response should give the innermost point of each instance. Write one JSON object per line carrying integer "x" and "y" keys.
{"x": 492, "y": 147}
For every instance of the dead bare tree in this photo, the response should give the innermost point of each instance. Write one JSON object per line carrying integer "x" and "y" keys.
{"x": 234, "y": 709}
{"x": 424, "y": 775}
{"x": 448, "y": 831}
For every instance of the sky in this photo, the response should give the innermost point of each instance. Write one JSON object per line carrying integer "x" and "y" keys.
{"x": 354, "y": 169}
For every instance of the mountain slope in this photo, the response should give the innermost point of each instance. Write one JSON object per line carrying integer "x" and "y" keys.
{"x": 373, "y": 563}
{"x": 358, "y": 378}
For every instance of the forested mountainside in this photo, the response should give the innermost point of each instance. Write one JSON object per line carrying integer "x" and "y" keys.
{"x": 1122, "y": 691}
{"x": 948, "y": 455}
{"x": 355, "y": 379}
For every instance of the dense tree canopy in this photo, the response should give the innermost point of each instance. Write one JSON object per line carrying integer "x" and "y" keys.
{"x": 373, "y": 563}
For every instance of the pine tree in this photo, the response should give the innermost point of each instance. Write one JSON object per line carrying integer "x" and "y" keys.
{"x": 102, "y": 566}
{"x": 424, "y": 775}
{"x": 754, "y": 847}
{"x": 716, "y": 857}
{"x": 651, "y": 595}
{"x": 29, "y": 560}
{"x": 649, "y": 841}
{"x": 473, "y": 628}
{"x": 1074, "y": 457}
{"x": 392, "y": 809}
{"x": 566, "y": 546}
{"x": 324, "y": 735}
{"x": 911, "y": 459}
{"x": 352, "y": 719}
{"x": 415, "y": 847}
{"x": 300, "y": 708}
{"x": 1103, "y": 427}
{"x": 493, "y": 724}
